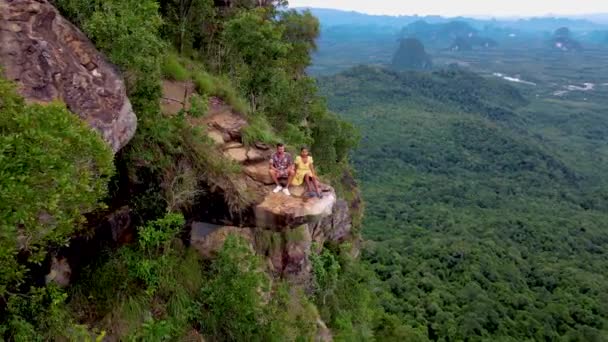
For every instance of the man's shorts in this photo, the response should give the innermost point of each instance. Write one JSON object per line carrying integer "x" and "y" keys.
{"x": 282, "y": 173}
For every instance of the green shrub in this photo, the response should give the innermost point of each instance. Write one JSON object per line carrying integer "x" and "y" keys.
{"x": 77, "y": 11}
{"x": 333, "y": 139}
{"x": 157, "y": 272}
{"x": 128, "y": 32}
{"x": 176, "y": 156}
{"x": 221, "y": 87}
{"x": 256, "y": 51}
{"x": 258, "y": 130}
{"x": 53, "y": 169}
{"x": 293, "y": 317}
{"x": 172, "y": 69}
{"x": 226, "y": 91}
{"x": 325, "y": 268}
{"x": 295, "y": 136}
{"x": 41, "y": 315}
{"x": 198, "y": 105}
{"x": 204, "y": 82}
{"x": 297, "y": 234}
{"x": 232, "y": 307}
{"x": 159, "y": 233}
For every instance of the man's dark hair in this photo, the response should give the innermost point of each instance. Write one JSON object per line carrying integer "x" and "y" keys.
{"x": 280, "y": 145}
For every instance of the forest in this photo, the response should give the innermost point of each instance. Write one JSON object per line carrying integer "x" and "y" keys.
{"x": 59, "y": 181}
{"x": 483, "y": 220}
{"x": 484, "y": 199}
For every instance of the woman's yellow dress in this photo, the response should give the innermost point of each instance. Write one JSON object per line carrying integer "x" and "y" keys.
{"x": 302, "y": 169}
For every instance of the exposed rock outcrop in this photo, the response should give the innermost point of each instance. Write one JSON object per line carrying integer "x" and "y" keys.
{"x": 119, "y": 225}
{"x": 50, "y": 59}
{"x": 176, "y": 96}
{"x": 286, "y": 252}
{"x": 278, "y": 211}
{"x": 209, "y": 238}
{"x": 60, "y": 272}
{"x": 283, "y": 228}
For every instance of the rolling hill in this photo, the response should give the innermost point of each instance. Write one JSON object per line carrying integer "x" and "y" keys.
{"x": 483, "y": 219}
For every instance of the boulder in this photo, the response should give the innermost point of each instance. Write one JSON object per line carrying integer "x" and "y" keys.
{"x": 60, "y": 272}
{"x": 297, "y": 265}
{"x": 120, "y": 225}
{"x": 50, "y": 59}
{"x": 256, "y": 155}
{"x": 259, "y": 172}
{"x": 216, "y": 136}
{"x": 323, "y": 332}
{"x": 278, "y": 211}
{"x": 282, "y": 228}
{"x": 232, "y": 145}
{"x": 208, "y": 238}
{"x": 226, "y": 121}
{"x": 262, "y": 146}
{"x": 337, "y": 227}
{"x": 237, "y": 154}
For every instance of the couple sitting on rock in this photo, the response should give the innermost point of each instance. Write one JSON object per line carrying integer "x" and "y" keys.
{"x": 298, "y": 172}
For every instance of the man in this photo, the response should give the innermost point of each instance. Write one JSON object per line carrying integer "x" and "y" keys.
{"x": 281, "y": 166}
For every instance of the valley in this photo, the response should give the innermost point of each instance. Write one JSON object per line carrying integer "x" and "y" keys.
{"x": 485, "y": 187}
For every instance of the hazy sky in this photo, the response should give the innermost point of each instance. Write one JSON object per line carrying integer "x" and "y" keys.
{"x": 462, "y": 7}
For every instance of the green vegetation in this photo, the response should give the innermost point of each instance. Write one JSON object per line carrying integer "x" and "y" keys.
{"x": 221, "y": 87}
{"x": 199, "y": 105}
{"x": 338, "y": 280}
{"x": 160, "y": 290}
{"x": 172, "y": 69}
{"x": 53, "y": 170}
{"x": 486, "y": 210}
{"x": 46, "y": 187}
{"x": 486, "y": 207}
{"x": 253, "y": 57}
{"x": 259, "y": 130}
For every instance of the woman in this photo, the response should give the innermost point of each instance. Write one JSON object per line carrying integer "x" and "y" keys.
{"x": 305, "y": 172}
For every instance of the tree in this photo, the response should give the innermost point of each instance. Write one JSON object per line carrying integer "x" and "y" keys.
{"x": 232, "y": 302}
{"x": 256, "y": 50}
{"x": 53, "y": 169}
{"x": 185, "y": 19}
{"x": 300, "y": 30}
{"x": 128, "y": 32}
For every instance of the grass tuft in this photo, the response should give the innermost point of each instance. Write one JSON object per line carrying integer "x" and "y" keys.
{"x": 172, "y": 69}
{"x": 259, "y": 130}
{"x": 221, "y": 87}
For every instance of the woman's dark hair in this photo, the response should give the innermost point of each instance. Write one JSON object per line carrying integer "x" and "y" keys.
{"x": 303, "y": 148}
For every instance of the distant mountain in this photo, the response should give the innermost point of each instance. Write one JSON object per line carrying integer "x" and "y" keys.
{"x": 333, "y": 17}
{"x": 596, "y": 37}
{"x": 482, "y": 214}
{"x": 599, "y": 18}
{"x": 442, "y": 32}
{"x": 563, "y": 40}
{"x": 549, "y": 24}
{"x": 461, "y": 44}
{"x": 458, "y": 35}
{"x": 411, "y": 56}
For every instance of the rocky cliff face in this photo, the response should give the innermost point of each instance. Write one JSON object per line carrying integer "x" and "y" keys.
{"x": 50, "y": 59}
{"x": 284, "y": 229}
